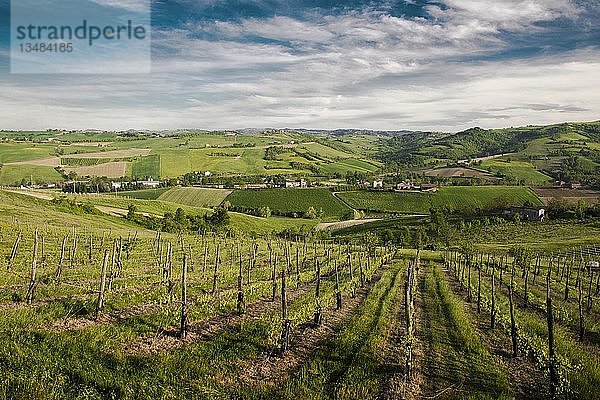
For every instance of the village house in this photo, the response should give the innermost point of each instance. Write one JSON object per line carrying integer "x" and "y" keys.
{"x": 527, "y": 213}
{"x": 378, "y": 184}
{"x": 429, "y": 187}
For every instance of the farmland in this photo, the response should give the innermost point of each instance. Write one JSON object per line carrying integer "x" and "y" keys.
{"x": 451, "y": 197}
{"x": 516, "y": 171}
{"x": 325, "y": 292}
{"x": 197, "y": 197}
{"x": 291, "y": 201}
{"x": 134, "y": 345}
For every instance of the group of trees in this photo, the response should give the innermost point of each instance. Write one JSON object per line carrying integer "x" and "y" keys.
{"x": 180, "y": 222}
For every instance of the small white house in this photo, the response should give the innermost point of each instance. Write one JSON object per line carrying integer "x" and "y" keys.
{"x": 149, "y": 183}
{"x": 378, "y": 184}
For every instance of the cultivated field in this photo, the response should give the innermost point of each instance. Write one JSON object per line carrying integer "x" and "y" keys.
{"x": 570, "y": 195}
{"x": 451, "y": 197}
{"x": 291, "y": 201}
{"x": 197, "y": 197}
{"x": 109, "y": 170}
{"x": 460, "y": 172}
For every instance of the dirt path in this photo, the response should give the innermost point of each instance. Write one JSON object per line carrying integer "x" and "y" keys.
{"x": 268, "y": 369}
{"x": 37, "y": 195}
{"x": 334, "y": 226}
{"x": 397, "y": 387}
{"x": 449, "y": 368}
{"x": 166, "y": 338}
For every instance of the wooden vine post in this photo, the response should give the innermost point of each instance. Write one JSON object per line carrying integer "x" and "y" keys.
{"x": 100, "y": 303}
{"x": 32, "y": 277}
{"x": 493, "y": 308}
{"x": 216, "y": 270}
{"x": 61, "y": 260}
{"x": 479, "y": 289}
{"x": 338, "y": 293}
{"x": 361, "y": 270}
{"x": 351, "y": 272}
{"x": 551, "y": 354}
{"x": 274, "y": 277}
{"x": 581, "y": 319}
{"x": 285, "y": 322}
{"x": 318, "y": 316}
{"x": 297, "y": 266}
{"x": 526, "y": 281}
{"x": 14, "y": 251}
{"x": 469, "y": 295}
{"x": 183, "y": 327}
{"x": 513, "y": 324}
{"x": 205, "y": 257}
{"x": 241, "y": 303}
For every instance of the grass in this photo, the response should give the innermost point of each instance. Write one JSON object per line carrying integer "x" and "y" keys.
{"x": 196, "y": 197}
{"x": 14, "y": 174}
{"x": 584, "y": 371}
{"x": 349, "y": 165}
{"x": 454, "y": 351}
{"x": 147, "y": 167}
{"x": 452, "y": 197}
{"x": 18, "y": 152}
{"x": 517, "y": 171}
{"x": 290, "y": 201}
{"x": 30, "y": 211}
{"x": 144, "y": 194}
{"x": 349, "y": 364}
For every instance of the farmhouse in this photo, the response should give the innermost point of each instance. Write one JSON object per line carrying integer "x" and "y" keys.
{"x": 527, "y": 213}
{"x": 378, "y": 184}
{"x": 406, "y": 186}
{"x": 295, "y": 184}
{"x": 149, "y": 183}
{"x": 428, "y": 187}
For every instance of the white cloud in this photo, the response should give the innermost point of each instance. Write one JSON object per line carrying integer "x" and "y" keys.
{"x": 138, "y": 6}
{"x": 362, "y": 69}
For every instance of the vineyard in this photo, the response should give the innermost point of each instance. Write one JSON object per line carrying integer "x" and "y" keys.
{"x": 450, "y": 197}
{"x": 291, "y": 202}
{"x": 135, "y": 314}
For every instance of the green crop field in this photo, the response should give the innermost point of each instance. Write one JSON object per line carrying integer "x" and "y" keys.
{"x": 452, "y": 197}
{"x": 349, "y": 165}
{"x": 144, "y": 194}
{"x": 291, "y": 201}
{"x": 198, "y": 197}
{"x": 517, "y": 171}
{"x": 147, "y": 167}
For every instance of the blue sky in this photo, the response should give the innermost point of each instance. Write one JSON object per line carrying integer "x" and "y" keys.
{"x": 430, "y": 65}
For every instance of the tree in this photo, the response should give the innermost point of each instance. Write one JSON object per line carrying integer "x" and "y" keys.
{"x": 131, "y": 212}
{"x": 219, "y": 218}
{"x": 311, "y": 213}
{"x": 264, "y": 212}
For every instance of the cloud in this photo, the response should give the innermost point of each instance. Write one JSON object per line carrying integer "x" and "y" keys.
{"x": 137, "y": 6}
{"x": 362, "y": 68}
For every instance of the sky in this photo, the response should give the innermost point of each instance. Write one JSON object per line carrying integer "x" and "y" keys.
{"x": 443, "y": 65}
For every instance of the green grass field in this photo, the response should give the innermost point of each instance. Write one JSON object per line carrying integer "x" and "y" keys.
{"x": 14, "y": 174}
{"x": 291, "y": 201}
{"x": 17, "y": 152}
{"x": 147, "y": 167}
{"x": 452, "y": 197}
{"x": 516, "y": 171}
{"x": 197, "y": 197}
{"x": 144, "y": 194}
{"x": 348, "y": 165}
